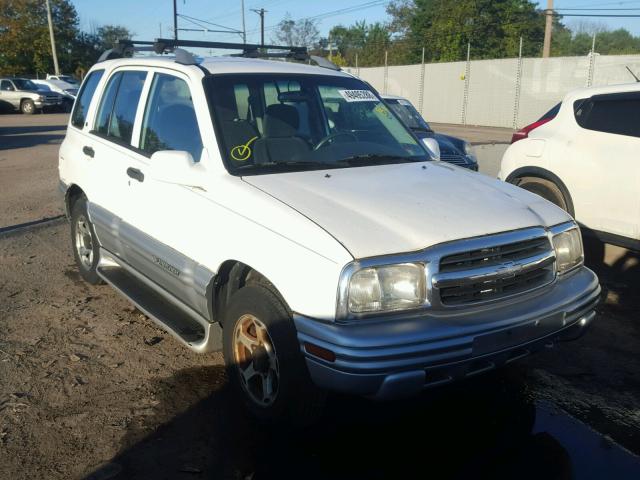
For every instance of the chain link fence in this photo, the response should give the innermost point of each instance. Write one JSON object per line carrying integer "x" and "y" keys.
{"x": 507, "y": 93}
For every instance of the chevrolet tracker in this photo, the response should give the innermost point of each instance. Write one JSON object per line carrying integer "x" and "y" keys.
{"x": 283, "y": 213}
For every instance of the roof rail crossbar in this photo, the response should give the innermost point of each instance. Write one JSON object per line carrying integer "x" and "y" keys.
{"x": 126, "y": 48}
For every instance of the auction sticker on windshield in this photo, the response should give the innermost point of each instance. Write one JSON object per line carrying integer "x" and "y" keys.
{"x": 358, "y": 95}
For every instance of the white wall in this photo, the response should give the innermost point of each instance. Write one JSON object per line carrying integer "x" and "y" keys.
{"x": 492, "y": 86}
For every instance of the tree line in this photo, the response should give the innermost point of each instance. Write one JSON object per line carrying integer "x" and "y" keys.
{"x": 25, "y": 47}
{"x": 444, "y": 28}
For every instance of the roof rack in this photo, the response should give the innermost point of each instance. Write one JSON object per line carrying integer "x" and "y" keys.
{"x": 126, "y": 48}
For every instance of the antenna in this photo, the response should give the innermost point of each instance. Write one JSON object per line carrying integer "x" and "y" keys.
{"x": 632, "y": 74}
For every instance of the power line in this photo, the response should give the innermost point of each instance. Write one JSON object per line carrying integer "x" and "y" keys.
{"x": 331, "y": 13}
{"x": 597, "y": 9}
{"x": 596, "y": 15}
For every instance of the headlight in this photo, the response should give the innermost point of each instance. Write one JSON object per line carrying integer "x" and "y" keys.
{"x": 469, "y": 151}
{"x": 568, "y": 247}
{"x": 386, "y": 288}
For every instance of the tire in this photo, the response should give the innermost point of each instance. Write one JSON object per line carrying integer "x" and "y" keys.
{"x": 275, "y": 386}
{"x": 84, "y": 243}
{"x": 27, "y": 107}
{"x": 545, "y": 188}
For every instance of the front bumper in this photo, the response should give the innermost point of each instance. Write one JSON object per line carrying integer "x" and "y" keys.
{"x": 398, "y": 357}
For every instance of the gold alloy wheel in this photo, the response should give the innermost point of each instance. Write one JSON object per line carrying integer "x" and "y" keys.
{"x": 256, "y": 360}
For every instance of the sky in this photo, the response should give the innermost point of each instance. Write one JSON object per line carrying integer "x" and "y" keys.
{"x": 147, "y": 18}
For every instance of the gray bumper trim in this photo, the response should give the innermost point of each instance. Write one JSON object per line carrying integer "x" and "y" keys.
{"x": 387, "y": 358}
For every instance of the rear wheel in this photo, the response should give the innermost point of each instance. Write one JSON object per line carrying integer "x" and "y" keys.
{"x": 27, "y": 107}
{"x": 84, "y": 242}
{"x": 263, "y": 358}
{"x": 545, "y": 188}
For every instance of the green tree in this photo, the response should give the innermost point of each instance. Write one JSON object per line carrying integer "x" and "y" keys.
{"x": 493, "y": 27}
{"x": 298, "y": 33}
{"x": 25, "y": 47}
{"x": 108, "y": 35}
{"x": 369, "y": 42}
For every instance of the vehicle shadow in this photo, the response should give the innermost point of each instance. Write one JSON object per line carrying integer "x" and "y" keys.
{"x": 619, "y": 278}
{"x": 475, "y": 429}
{"x": 30, "y": 136}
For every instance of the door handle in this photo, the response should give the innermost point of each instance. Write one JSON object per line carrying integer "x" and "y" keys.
{"x": 135, "y": 174}
{"x": 88, "y": 151}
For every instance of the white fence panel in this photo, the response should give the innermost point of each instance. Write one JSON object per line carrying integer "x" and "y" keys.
{"x": 492, "y": 92}
{"x": 443, "y": 92}
{"x": 491, "y": 95}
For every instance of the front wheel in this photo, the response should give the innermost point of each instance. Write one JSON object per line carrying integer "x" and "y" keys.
{"x": 263, "y": 359}
{"x": 546, "y": 189}
{"x": 27, "y": 107}
{"x": 84, "y": 242}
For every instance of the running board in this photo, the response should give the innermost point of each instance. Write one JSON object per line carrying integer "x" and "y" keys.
{"x": 178, "y": 319}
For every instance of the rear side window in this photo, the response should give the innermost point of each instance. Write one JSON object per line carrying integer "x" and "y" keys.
{"x": 618, "y": 113}
{"x": 119, "y": 104}
{"x": 170, "y": 120}
{"x": 79, "y": 115}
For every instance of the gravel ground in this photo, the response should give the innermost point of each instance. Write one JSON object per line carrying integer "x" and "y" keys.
{"x": 90, "y": 388}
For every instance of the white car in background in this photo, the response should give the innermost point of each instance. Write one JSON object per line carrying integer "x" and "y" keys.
{"x": 584, "y": 155}
{"x": 67, "y": 90}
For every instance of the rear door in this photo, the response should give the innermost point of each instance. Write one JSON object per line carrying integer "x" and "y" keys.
{"x": 605, "y": 159}
{"x": 111, "y": 153}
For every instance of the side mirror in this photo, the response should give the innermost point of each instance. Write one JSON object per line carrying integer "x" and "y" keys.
{"x": 432, "y": 147}
{"x": 177, "y": 167}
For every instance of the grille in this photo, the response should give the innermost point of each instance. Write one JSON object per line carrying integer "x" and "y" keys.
{"x": 492, "y": 273}
{"x": 455, "y": 159}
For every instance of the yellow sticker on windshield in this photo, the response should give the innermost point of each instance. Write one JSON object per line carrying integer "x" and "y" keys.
{"x": 241, "y": 153}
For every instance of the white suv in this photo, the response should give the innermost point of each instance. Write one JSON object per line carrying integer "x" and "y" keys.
{"x": 282, "y": 212}
{"x": 584, "y": 155}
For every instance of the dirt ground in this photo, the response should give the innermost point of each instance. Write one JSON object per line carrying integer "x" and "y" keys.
{"x": 90, "y": 388}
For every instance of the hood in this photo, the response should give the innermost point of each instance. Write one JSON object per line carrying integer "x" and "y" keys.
{"x": 386, "y": 209}
{"x": 450, "y": 145}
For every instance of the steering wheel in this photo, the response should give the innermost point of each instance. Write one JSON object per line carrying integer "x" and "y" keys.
{"x": 332, "y": 136}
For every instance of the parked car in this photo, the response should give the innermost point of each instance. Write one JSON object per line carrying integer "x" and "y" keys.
{"x": 22, "y": 94}
{"x": 451, "y": 149}
{"x": 64, "y": 78}
{"x": 582, "y": 155}
{"x": 67, "y": 90}
{"x": 283, "y": 213}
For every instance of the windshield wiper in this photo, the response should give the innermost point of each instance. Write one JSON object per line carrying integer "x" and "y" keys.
{"x": 289, "y": 164}
{"x": 375, "y": 159}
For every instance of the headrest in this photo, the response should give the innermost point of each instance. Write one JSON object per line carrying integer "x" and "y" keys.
{"x": 281, "y": 120}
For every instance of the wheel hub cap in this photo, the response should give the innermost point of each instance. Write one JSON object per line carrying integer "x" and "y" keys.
{"x": 84, "y": 242}
{"x": 256, "y": 360}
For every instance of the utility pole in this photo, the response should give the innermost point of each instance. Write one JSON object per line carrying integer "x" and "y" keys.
{"x": 244, "y": 28}
{"x": 260, "y": 12}
{"x": 546, "y": 49}
{"x": 53, "y": 40}
{"x": 175, "y": 21}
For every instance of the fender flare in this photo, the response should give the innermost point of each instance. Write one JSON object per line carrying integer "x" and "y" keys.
{"x": 546, "y": 175}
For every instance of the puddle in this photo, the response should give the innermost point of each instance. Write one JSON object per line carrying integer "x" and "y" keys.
{"x": 487, "y": 428}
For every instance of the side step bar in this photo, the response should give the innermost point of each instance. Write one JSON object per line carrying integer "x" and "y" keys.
{"x": 171, "y": 314}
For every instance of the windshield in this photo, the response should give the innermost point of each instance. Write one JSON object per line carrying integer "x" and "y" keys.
{"x": 408, "y": 114}
{"x": 67, "y": 79}
{"x": 272, "y": 123}
{"x": 23, "y": 84}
